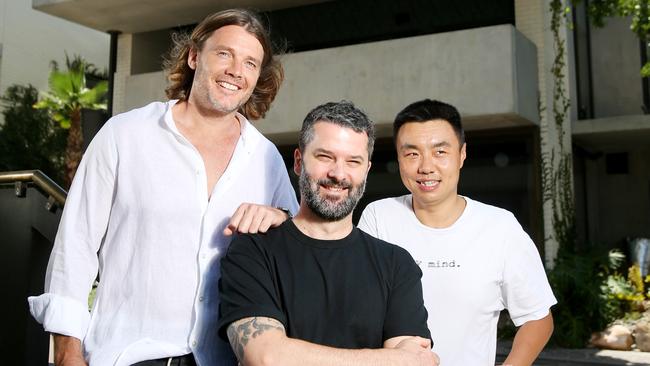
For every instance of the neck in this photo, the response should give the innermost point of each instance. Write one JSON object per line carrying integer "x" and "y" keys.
{"x": 191, "y": 115}
{"x": 440, "y": 214}
{"x": 317, "y": 228}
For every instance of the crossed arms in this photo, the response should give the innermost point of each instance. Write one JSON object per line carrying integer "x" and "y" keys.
{"x": 262, "y": 341}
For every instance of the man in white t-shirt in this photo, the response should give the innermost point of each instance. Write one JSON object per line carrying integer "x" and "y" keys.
{"x": 475, "y": 258}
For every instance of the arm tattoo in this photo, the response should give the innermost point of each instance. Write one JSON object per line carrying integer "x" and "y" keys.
{"x": 241, "y": 331}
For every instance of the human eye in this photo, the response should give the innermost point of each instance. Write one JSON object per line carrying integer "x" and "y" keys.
{"x": 251, "y": 65}
{"x": 354, "y": 162}
{"x": 223, "y": 53}
{"x": 411, "y": 154}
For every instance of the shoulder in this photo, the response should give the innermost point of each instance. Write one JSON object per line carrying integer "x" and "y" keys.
{"x": 390, "y": 204}
{"x": 260, "y": 243}
{"x": 492, "y": 214}
{"x": 259, "y": 144}
{"x": 152, "y": 112}
{"x": 253, "y": 135}
{"x": 386, "y": 249}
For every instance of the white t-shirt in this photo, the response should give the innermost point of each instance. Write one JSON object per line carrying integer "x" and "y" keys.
{"x": 472, "y": 270}
{"x": 138, "y": 212}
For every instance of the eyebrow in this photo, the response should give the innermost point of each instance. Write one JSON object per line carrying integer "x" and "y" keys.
{"x": 325, "y": 151}
{"x": 407, "y": 146}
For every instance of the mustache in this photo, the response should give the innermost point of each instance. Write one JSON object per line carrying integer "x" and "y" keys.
{"x": 334, "y": 183}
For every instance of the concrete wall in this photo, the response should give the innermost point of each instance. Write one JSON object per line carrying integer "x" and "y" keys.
{"x": 149, "y": 49}
{"x": 477, "y": 70}
{"x": 615, "y": 68}
{"x": 488, "y": 73}
{"x": 30, "y": 39}
{"x": 616, "y": 205}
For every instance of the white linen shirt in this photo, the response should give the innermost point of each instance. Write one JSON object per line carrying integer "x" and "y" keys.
{"x": 138, "y": 211}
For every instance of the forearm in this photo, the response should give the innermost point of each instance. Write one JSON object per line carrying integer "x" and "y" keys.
{"x": 67, "y": 350}
{"x": 529, "y": 341}
{"x": 292, "y": 352}
{"x": 263, "y": 342}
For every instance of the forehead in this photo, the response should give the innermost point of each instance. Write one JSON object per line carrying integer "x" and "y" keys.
{"x": 338, "y": 139}
{"x": 235, "y": 37}
{"x": 424, "y": 133}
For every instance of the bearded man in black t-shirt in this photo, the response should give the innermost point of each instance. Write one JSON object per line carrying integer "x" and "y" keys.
{"x": 317, "y": 290}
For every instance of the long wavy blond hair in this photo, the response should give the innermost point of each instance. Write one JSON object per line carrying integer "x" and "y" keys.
{"x": 180, "y": 75}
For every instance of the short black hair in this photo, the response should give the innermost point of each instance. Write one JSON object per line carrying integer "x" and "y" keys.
{"x": 429, "y": 110}
{"x": 344, "y": 114}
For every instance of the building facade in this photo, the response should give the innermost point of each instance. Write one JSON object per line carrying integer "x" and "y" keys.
{"x": 490, "y": 59}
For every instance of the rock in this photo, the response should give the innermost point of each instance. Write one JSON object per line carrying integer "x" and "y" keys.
{"x": 645, "y": 304}
{"x": 642, "y": 335}
{"x": 617, "y": 337}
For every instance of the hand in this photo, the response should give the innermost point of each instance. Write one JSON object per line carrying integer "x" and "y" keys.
{"x": 420, "y": 351}
{"x": 250, "y": 218}
{"x": 67, "y": 351}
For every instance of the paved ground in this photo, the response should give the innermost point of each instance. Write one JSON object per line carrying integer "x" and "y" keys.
{"x": 583, "y": 357}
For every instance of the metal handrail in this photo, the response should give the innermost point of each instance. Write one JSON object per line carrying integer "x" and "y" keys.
{"x": 40, "y": 180}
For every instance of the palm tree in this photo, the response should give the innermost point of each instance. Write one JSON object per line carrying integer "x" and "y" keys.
{"x": 67, "y": 96}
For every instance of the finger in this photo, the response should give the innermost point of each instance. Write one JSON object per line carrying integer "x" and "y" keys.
{"x": 235, "y": 219}
{"x": 436, "y": 358}
{"x": 256, "y": 220}
{"x": 423, "y": 342}
{"x": 243, "y": 227}
{"x": 229, "y": 230}
{"x": 266, "y": 224}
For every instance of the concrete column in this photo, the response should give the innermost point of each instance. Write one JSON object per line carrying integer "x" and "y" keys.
{"x": 122, "y": 71}
{"x": 533, "y": 19}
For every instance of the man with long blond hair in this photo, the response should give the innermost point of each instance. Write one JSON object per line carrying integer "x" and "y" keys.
{"x": 155, "y": 199}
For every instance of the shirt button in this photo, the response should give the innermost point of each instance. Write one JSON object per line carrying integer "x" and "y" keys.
{"x": 201, "y": 298}
{"x": 193, "y": 343}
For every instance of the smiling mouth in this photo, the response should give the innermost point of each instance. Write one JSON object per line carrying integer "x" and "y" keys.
{"x": 428, "y": 184}
{"x": 228, "y": 86}
{"x": 333, "y": 188}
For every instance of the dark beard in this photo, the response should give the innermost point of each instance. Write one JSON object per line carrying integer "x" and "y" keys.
{"x": 321, "y": 206}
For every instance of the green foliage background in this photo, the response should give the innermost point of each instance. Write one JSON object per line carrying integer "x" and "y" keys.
{"x": 29, "y": 138}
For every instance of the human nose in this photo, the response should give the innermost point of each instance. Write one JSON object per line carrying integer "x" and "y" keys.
{"x": 234, "y": 68}
{"x": 426, "y": 165}
{"x": 336, "y": 171}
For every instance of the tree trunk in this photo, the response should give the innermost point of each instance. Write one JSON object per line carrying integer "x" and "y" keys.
{"x": 73, "y": 149}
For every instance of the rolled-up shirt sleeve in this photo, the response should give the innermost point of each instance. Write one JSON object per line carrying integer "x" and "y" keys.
{"x": 73, "y": 263}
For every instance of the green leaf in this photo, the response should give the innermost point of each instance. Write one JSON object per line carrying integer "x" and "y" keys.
{"x": 65, "y": 123}
{"x": 58, "y": 117}
{"x": 91, "y": 98}
{"x": 645, "y": 70}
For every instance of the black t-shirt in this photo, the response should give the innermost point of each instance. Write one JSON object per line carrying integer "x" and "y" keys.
{"x": 355, "y": 292}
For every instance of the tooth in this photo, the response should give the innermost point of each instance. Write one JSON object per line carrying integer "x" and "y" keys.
{"x": 228, "y": 85}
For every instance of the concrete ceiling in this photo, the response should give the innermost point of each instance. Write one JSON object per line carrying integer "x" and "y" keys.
{"x": 613, "y": 134}
{"x": 134, "y": 16}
